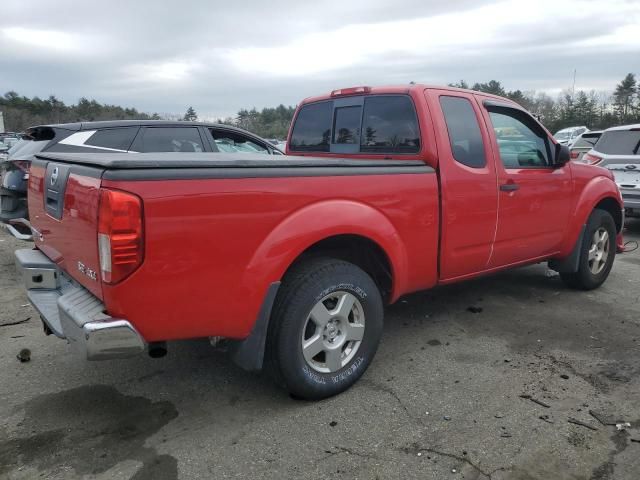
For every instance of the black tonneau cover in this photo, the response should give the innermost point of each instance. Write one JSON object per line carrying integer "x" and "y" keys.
{"x": 171, "y": 160}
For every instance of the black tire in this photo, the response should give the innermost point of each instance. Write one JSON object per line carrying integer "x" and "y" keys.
{"x": 302, "y": 289}
{"x": 584, "y": 278}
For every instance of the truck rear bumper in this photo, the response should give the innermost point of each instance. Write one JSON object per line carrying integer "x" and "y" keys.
{"x": 72, "y": 312}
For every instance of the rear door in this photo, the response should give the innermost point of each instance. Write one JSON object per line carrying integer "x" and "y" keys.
{"x": 468, "y": 191}
{"x": 535, "y": 198}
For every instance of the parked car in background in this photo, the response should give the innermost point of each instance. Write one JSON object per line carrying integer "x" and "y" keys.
{"x": 132, "y": 136}
{"x": 280, "y": 144}
{"x": 583, "y": 144}
{"x": 4, "y": 148}
{"x": 566, "y": 136}
{"x": 618, "y": 149}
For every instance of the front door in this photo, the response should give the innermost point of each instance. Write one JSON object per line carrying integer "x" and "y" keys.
{"x": 535, "y": 197}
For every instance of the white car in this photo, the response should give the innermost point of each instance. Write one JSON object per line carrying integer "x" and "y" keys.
{"x": 566, "y": 136}
{"x": 583, "y": 144}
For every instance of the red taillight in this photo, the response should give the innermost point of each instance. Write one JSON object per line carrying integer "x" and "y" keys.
{"x": 350, "y": 91}
{"x": 591, "y": 159}
{"x": 574, "y": 155}
{"x": 120, "y": 235}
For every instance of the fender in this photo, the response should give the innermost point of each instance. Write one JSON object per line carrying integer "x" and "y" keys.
{"x": 285, "y": 243}
{"x": 596, "y": 190}
{"x": 318, "y": 221}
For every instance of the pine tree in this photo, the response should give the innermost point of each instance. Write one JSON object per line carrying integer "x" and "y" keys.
{"x": 624, "y": 98}
{"x": 493, "y": 87}
{"x": 190, "y": 115}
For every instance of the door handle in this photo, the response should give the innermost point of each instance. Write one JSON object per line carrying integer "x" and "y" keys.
{"x": 509, "y": 187}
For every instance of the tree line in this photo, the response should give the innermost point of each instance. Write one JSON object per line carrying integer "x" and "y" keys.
{"x": 591, "y": 108}
{"x": 594, "y": 109}
{"x": 21, "y": 112}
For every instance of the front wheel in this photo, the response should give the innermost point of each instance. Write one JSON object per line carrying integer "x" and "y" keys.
{"x": 326, "y": 326}
{"x": 596, "y": 254}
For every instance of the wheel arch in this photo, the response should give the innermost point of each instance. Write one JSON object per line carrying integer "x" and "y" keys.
{"x": 601, "y": 192}
{"x": 335, "y": 227}
{"x": 611, "y": 205}
{"x": 357, "y": 249}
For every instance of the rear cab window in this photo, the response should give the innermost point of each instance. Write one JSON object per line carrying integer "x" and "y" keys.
{"x": 312, "y": 128}
{"x": 379, "y": 124}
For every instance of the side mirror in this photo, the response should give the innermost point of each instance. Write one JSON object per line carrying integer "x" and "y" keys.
{"x": 562, "y": 156}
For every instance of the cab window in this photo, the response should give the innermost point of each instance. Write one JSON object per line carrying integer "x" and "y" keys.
{"x": 312, "y": 128}
{"x": 522, "y": 143}
{"x": 234, "y": 142}
{"x": 382, "y": 124}
{"x": 465, "y": 137}
{"x": 390, "y": 125}
{"x": 170, "y": 139}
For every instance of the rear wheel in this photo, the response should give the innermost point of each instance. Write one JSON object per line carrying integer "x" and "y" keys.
{"x": 596, "y": 254}
{"x": 326, "y": 327}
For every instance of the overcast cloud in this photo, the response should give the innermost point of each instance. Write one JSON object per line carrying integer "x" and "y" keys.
{"x": 220, "y": 56}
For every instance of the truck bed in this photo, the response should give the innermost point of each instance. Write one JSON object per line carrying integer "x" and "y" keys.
{"x": 220, "y": 229}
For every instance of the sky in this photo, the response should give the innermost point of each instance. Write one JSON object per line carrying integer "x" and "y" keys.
{"x": 161, "y": 56}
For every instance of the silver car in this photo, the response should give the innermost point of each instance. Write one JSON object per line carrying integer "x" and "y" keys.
{"x": 583, "y": 144}
{"x": 618, "y": 149}
{"x": 566, "y": 136}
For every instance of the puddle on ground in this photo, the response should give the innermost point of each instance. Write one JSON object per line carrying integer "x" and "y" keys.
{"x": 90, "y": 429}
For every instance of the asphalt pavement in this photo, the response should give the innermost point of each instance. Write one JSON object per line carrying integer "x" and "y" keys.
{"x": 511, "y": 376}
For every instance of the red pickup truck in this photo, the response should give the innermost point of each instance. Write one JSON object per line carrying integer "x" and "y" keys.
{"x": 292, "y": 259}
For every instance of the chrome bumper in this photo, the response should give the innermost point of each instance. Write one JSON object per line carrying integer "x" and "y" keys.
{"x": 70, "y": 311}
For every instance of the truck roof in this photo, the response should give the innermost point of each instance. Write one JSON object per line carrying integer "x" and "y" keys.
{"x": 400, "y": 89}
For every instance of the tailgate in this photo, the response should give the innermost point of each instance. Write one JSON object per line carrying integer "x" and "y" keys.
{"x": 63, "y": 204}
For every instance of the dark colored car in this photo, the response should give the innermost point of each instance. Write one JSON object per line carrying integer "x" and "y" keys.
{"x": 132, "y": 136}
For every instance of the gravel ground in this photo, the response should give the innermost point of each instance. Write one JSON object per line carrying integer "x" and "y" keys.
{"x": 451, "y": 394}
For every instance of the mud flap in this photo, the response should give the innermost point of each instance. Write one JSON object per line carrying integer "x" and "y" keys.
{"x": 248, "y": 354}
{"x": 571, "y": 263}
